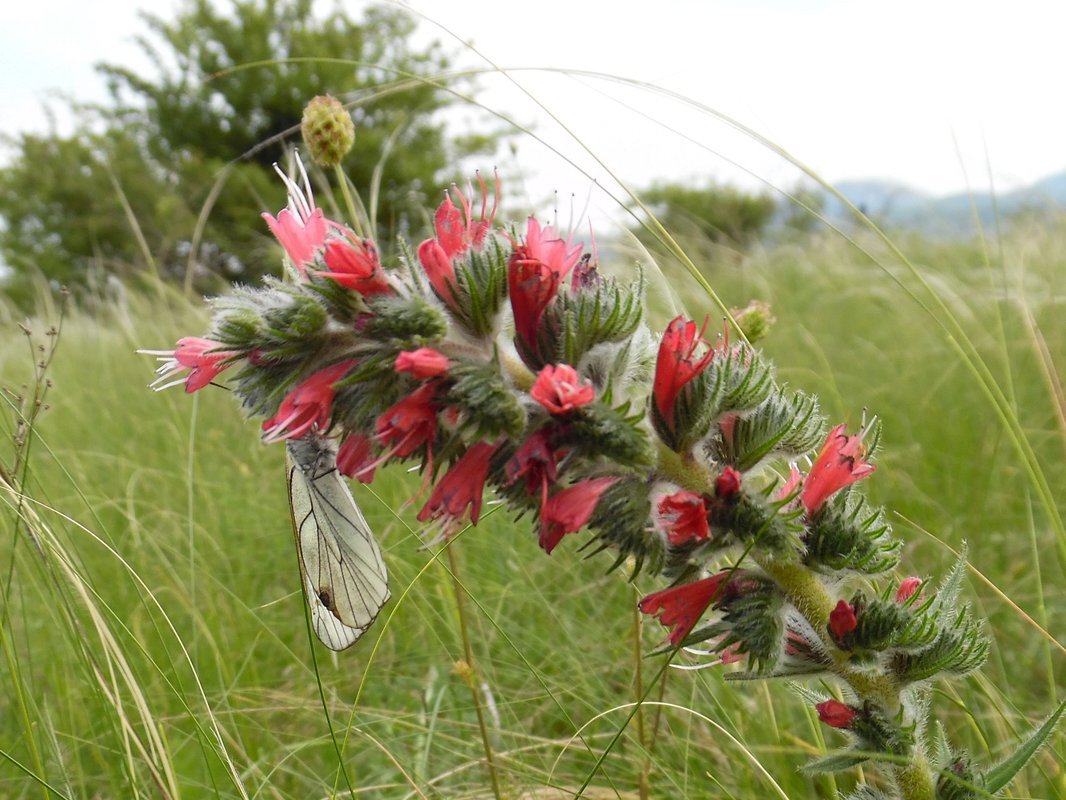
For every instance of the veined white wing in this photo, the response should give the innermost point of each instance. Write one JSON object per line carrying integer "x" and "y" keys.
{"x": 341, "y": 567}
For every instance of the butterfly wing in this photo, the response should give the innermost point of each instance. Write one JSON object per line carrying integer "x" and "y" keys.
{"x": 344, "y": 578}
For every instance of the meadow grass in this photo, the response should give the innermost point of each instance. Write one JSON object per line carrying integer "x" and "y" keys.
{"x": 154, "y": 639}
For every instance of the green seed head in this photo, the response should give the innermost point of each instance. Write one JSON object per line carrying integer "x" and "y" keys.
{"x": 755, "y": 320}
{"x": 328, "y": 130}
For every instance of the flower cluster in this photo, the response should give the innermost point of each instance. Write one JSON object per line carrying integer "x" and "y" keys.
{"x": 504, "y": 361}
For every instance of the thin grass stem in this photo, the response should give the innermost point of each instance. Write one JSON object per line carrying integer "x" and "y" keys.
{"x": 472, "y": 676}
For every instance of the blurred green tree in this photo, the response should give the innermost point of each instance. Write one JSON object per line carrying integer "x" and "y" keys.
{"x": 719, "y": 214}
{"x": 172, "y": 172}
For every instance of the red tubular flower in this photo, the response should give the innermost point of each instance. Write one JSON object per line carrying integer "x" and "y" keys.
{"x": 568, "y": 511}
{"x": 842, "y": 620}
{"x": 836, "y": 714}
{"x": 532, "y": 286}
{"x": 300, "y": 228}
{"x": 423, "y": 363}
{"x": 537, "y": 267}
{"x": 680, "y": 607}
{"x": 561, "y": 390}
{"x": 461, "y": 487}
{"x": 839, "y": 464}
{"x": 354, "y": 262}
{"x": 201, "y": 357}
{"x": 545, "y": 246}
{"x": 307, "y": 407}
{"x": 678, "y": 364}
{"x": 536, "y": 461}
{"x": 727, "y": 485}
{"x": 456, "y": 231}
{"x": 907, "y": 589}
{"x": 409, "y": 424}
{"x": 355, "y": 457}
{"x": 684, "y": 516}
{"x": 439, "y": 269}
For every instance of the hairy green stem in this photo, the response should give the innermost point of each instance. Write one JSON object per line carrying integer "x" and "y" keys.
{"x": 915, "y": 781}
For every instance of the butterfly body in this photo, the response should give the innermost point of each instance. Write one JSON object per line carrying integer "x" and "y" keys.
{"x": 341, "y": 568}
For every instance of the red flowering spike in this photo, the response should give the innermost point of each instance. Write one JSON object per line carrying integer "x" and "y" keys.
{"x": 561, "y": 390}
{"x": 409, "y": 424}
{"x": 354, "y": 262}
{"x": 727, "y": 485}
{"x": 677, "y": 364}
{"x": 842, "y": 620}
{"x": 836, "y": 714}
{"x": 536, "y": 461}
{"x": 568, "y": 511}
{"x": 680, "y": 607}
{"x": 355, "y": 458}
{"x": 307, "y": 407}
{"x": 201, "y": 357}
{"x": 907, "y": 589}
{"x": 461, "y": 487}
{"x": 839, "y": 464}
{"x": 423, "y": 363}
{"x": 684, "y": 517}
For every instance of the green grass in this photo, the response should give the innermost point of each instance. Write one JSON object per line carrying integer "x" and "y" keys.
{"x": 154, "y": 641}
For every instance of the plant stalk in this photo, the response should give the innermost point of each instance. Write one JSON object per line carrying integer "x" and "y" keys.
{"x": 472, "y": 675}
{"x": 638, "y": 680}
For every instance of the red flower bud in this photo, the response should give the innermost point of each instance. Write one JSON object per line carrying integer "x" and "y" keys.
{"x": 836, "y": 714}
{"x": 727, "y": 485}
{"x": 842, "y": 620}
{"x": 907, "y": 589}
{"x": 423, "y": 363}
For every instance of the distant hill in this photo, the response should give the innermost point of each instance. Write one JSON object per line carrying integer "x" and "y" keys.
{"x": 897, "y": 206}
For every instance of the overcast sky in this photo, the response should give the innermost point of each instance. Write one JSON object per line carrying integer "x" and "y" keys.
{"x": 923, "y": 92}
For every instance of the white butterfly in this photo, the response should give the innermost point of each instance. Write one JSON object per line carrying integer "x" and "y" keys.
{"x": 343, "y": 573}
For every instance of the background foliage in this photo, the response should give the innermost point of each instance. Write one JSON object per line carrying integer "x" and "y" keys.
{"x": 171, "y": 175}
